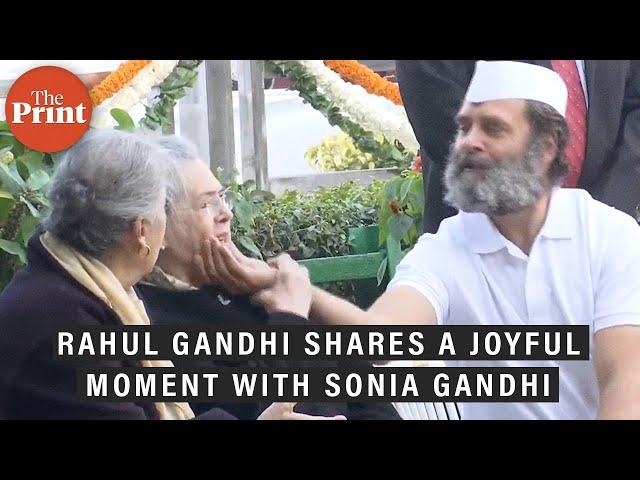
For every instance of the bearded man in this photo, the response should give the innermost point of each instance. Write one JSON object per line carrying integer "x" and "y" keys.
{"x": 521, "y": 251}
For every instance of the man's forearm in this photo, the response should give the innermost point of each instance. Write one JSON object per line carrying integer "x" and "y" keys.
{"x": 620, "y": 400}
{"x": 331, "y": 310}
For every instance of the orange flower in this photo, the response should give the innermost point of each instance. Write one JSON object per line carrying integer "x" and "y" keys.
{"x": 360, "y": 74}
{"x": 116, "y": 80}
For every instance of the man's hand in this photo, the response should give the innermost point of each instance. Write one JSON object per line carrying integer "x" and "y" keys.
{"x": 222, "y": 264}
{"x": 291, "y": 291}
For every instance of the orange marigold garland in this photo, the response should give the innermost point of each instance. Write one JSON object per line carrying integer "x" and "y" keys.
{"x": 116, "y": 80}
{"x": 360, "y": 74}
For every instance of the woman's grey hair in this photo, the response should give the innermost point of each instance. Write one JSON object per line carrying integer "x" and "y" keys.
{"x": 101, "y": 185}
{"x": 180, "y": 151}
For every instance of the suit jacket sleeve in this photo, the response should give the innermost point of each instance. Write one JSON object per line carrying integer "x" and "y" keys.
{"x": 432, "y": 92}
{"x": 620, "y": 186}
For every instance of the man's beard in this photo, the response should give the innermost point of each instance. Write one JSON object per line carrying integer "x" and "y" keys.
{"x": 509, "y": 184}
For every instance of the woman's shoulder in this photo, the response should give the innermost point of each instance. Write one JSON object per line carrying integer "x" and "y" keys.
{"x": 34, "y": 287}
{"x": 41, "y": 298}
{"x": 208, "y": 305}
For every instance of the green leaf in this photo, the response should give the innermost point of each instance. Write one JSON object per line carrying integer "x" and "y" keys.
{"x": 397, "y": 155}
{"x": 6, "y": 205}
{"x": 125, "y": 122}
{"x": 307, "y": 252}
{"x": 418, "y": 224}
{"x": 32, "y": 160}
{"x": 32, "y": 209}
{"x": 4, "y": 194}
{"x": 247, "y": 243}
{"x": 55, "y": 157}
{"x": 4, "y": 126}
{"x": 391, "y": 189}
{"x": 261, "y": 195}
{"x": 382, "y": 269}
{"x": 5, "y": 150}
{"x": 416, "y": 195}
{"x": 404, "y": 189}
{"x": 39, "y": 198}
{"x": 10, "y": 179}
{"x": 9, "y": 140}
{"x": 171, "y": 90}
{"x": 37, "y": 180}
{"x": 27, "y": 227}
{"x": 399, "y": 225}
{"x": 245, "y": 211}
{"x": 384, "y": 214}
{"x": 408, "y": 158}
{"x": 249, "y": 185}
{"x": 22, "y": 169}
{"x": 14, "y": 248}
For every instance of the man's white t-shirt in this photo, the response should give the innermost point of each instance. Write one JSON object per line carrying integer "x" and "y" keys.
{"x": 583, "y": 269}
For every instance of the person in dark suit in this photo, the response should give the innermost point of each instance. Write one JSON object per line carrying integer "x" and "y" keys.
{"x": 609, "y": 168}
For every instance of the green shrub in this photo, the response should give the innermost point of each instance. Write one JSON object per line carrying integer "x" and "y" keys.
{"x": 337, "y": 153}
{"x": 304, "y": 225}
{"x": 24, "y": 175}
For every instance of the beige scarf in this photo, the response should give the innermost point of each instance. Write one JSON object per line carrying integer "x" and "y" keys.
{"x": 99, "y": 280}
{"x": 159, "y": 278}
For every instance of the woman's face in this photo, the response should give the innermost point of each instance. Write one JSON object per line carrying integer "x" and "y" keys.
{"x": 202, "y": 214}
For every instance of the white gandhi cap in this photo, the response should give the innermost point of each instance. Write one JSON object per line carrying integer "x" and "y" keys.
{"x": 517, "y": 80}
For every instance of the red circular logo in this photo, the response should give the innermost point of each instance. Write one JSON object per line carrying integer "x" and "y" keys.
{"x": 48, "y": 109}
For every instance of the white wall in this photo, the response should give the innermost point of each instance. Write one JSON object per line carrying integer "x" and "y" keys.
{"x": 292, "y": 128}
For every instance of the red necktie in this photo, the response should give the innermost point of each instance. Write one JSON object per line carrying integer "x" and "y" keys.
{"x": 576, "y": 117}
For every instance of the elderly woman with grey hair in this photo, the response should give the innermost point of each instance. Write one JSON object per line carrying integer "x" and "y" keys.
{"x": 103, "y": 233}
{"x": 182, "y": 291}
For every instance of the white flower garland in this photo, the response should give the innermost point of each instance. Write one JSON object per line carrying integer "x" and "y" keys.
{"x": 133, "y": 92}
{"x": 371, "y": 112}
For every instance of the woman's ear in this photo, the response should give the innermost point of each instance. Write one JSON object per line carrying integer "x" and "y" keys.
{"x": 140, "y": 230}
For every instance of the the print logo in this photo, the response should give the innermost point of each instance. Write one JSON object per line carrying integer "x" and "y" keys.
{"x": 48, "y": 109}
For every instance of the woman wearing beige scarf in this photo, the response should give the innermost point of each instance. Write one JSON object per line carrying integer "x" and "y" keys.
{"x": 103, "y": 234}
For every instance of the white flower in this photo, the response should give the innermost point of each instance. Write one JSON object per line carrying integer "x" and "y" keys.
{"x": 133, "y": 92}
{"x": 100, "y": 118}
{"x": 372, "y": 112}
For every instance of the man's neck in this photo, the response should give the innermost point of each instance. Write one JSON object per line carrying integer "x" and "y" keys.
{"x": 522, "y": 227}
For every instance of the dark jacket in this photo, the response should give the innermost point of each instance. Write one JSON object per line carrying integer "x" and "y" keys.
{"x": 211, "y": 306}
{"x": 433, "y": 90}
{"x": 39, "y": 300}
